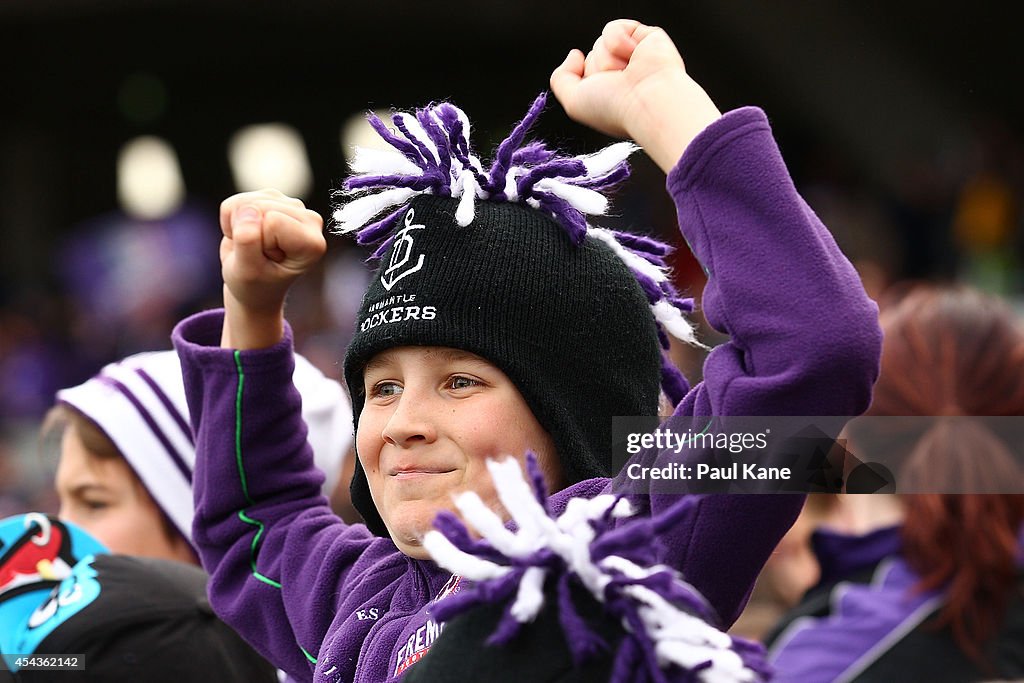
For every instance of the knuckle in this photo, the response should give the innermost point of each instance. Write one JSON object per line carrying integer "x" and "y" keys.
{"x": 276, "y": 194}
{"x": 314, "y": 218}
{"x": 248, "y": 239}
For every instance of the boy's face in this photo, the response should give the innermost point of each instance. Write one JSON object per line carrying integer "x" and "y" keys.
{"x": 103, "y": 496}
{"x": 432, "y": 418}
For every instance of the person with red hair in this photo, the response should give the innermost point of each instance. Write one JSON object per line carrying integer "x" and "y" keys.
{"x": 936, "y": 597}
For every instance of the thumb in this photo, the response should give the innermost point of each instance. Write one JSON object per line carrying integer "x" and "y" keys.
{"x": 567, "y": 76}
{"x": 247, "y": 233}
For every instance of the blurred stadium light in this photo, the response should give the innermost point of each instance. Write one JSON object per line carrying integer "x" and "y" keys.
{"x": 356, "y": 132}
{"x": 270, "y": 155}
{"x": 149, "y": 182}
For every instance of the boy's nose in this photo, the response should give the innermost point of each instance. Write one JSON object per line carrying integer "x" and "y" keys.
{"x": 411, "y": 422}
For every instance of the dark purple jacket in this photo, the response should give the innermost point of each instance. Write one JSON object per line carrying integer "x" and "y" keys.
{"x": 331, "y": 602}
{"x": 867, "y": 621}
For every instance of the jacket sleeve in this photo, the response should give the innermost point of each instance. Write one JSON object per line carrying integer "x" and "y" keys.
{"x": 803, "y": 336}
{"x": 280, "y": 562}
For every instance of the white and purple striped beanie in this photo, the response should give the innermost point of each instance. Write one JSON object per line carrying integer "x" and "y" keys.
{"x": 139, "y": 403}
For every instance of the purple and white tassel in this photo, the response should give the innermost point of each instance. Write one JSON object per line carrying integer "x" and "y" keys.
{"x": 667, "y": 623}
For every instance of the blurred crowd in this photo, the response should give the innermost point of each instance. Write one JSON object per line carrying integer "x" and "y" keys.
{"x": 122, "y": 284}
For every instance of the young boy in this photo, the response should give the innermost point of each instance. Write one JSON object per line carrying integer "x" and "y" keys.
{"x": 501, "y": 322}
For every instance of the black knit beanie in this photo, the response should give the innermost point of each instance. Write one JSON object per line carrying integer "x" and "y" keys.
{"x": 499, "y": 264}
{"x": 569, "y": 325}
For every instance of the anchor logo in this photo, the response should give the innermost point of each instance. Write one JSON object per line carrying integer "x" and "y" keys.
{"x": 401, "y": 254}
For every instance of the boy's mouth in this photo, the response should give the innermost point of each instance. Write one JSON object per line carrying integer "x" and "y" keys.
{"x": 418, "y": 471}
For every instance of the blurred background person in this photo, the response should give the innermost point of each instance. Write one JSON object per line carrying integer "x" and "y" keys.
{"x": 113, "y": 618}
{"x": 788, "y": 574}
{"x": 127, "y": 453}
{"x": 926, "y": 586}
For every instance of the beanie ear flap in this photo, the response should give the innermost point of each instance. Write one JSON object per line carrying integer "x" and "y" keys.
{"x": 362, "y": 501}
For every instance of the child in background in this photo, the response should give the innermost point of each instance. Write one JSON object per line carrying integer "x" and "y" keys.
{"x": 127, "y": 451}
{"x": 503, "y": 322}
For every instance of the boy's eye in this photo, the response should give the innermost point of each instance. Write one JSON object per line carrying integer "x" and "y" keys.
{"x": 386, "y": 389}
{"x": 95, "y": 505}
{"x": 460, "y": 382}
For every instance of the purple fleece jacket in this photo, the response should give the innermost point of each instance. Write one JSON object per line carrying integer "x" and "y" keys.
{"x": 331, "y": 602}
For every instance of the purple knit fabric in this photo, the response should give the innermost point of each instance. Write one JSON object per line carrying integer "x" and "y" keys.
{"x": 642, "y": 243}
{"x": 381, "y": 229}
{"x": 556, "y": 168}
{"x": 508, "y": 146}
{"x": 531, "y": 154}
{"x": 407, "y": 148}
{"x": 427, "y": 161}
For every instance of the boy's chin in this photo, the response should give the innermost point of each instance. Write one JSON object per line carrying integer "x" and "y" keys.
{"x": 408, "y": 526}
